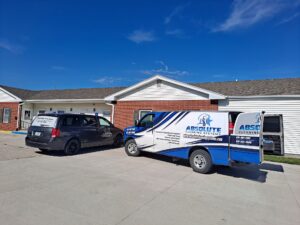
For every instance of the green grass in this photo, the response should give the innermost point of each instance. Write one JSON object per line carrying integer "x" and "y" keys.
{"x": 282, "y": 159}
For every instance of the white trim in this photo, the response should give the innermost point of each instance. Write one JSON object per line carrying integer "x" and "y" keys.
{"x": 212, "y": 95}
{"x": 96, "y": 100}
{"x": 17, "y": 99}
{"x": 262, "y": 97}
{"x": 112, "y": 112}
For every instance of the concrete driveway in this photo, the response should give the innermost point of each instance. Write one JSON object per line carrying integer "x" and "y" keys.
{"x": 104, "y": 186}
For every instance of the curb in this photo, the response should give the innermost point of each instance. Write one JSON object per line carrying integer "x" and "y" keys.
{"x": 13, "y": 132}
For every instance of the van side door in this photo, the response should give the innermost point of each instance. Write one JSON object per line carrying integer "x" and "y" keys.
{"x": 246, "y": 140}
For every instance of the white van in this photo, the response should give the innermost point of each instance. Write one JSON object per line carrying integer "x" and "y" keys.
{"x": 204, "y": 138}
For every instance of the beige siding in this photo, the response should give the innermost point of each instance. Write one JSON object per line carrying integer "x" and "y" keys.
{"x": 289, "y": 108}
{"x": 163, "y": 91}
{"x": 4, "y": 97}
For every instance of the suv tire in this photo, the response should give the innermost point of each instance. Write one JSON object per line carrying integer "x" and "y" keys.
{"x": 72, "y": 147}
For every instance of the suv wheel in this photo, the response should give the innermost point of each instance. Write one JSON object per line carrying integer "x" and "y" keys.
{"x": 118, "y": 140}
{"x": 72, "y": 147}
{"x": 131, "y": 148}
{"x": 200, "y": 161}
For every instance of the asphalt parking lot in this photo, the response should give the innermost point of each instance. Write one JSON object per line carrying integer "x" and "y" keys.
{"x": 105, "y": 186}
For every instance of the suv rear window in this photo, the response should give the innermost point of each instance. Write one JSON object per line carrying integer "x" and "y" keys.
{"x": 45, "y": 121}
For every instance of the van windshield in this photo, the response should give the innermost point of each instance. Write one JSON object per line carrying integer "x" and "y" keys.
{"x": 44, "y": 121}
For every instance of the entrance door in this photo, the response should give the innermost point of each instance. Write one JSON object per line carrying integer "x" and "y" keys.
{"x": 273, "y": 134}
{"x": 246, "y": 140}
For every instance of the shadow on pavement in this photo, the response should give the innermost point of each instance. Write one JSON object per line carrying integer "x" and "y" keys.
{"x": 257, "y": 173}
{"x": 82, "y": 151}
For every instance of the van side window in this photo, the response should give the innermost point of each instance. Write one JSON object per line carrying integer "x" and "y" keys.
{"x": 71, "y": 121}
{"x": 147, "y": 121}
{"x": 89, "y": 121}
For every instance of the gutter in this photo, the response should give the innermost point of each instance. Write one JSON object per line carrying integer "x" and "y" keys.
{"x": 113, "y": 111}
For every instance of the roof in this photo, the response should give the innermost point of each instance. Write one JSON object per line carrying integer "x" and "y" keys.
{"x": 211, "y": 95}
{"x": 287, "y": 86}
{"x": 21, "y": 93}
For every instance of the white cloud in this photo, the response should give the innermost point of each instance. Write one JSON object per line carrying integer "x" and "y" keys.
{"x": 175, "y": 12}
{"x": 107, "y": 80}
{"x": 288, "y": 19}
{"x": 164, "y": 70}
{"x": 60, "y": 68}
{"x": 139, "y": 36}
{"x": 13, "y": 48}
{"x": 246, "y": 13}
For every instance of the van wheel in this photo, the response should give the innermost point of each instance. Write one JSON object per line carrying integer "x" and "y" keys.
{"x": 131, "y": 148}
{"x": 72, "y": 147}
{"x": 118, "y": 140}
{"x": 200, "y": 161}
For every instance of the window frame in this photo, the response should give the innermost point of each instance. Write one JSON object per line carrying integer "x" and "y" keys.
{"x": 9, "y": 115}
{"x": 143, "y": 110}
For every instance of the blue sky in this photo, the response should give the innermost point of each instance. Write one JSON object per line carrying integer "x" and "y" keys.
{"x": 77, "y": 43}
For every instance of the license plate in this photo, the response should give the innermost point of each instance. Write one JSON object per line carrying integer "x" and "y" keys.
{"x": 37, "y": 134}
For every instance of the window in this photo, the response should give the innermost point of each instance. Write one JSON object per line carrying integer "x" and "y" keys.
{"x": 42, "y": 111}
{"x": 71, "y": 121}
{"x": 60, "y": 111}
{"x": 89, "y": 121}
{"x": 6, "y": 115}
{"x": 143, "y": 112}
{"x": 147, "y": 121}
{"x": 27, "y": 114}
{"x": 271, "y": 124}
{"x": 104, "y": 122}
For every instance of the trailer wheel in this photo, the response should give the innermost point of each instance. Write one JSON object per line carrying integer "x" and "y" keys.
{"x": 200, "y": 161}
{"x": 131, "y": 148}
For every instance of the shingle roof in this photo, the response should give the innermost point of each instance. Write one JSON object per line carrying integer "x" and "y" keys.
{"x": 21, "y": 93}
{"x": 287, "y": 86}
{"x": 82, "y": 93}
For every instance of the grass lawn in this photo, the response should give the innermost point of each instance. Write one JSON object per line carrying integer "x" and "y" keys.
{"x": 282, "y": 159}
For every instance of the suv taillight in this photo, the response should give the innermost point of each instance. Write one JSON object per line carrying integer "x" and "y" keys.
{"x": 231, "y": 126}
{"x": 55, "y": 132}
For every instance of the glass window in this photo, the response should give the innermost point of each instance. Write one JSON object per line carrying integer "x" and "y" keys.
{"x": 42, "y": 111}
{"x": 71, "y": 121}
{"x": 271, "y": 124}
{"x": 143, "y": 112}
{"x": 27, "y": 114}
{"x": 89, "y": 121}
{"x": 104, "y": 122}
{"x": 60, "y": 111}
{"x": 44, "y": 121}
{"x": 147, "y": 121}
{"x": 6, "y": 115}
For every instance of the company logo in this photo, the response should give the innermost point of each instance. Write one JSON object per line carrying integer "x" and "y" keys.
{"x": 204, "y": 119}
{"x": 251, "y": 128}
{"x": 204, "y": 126}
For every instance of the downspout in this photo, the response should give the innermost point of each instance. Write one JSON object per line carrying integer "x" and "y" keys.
{"x": 113, "y": 112}
{"x": 19, "y": 115}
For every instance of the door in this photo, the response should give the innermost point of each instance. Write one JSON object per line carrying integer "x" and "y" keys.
{"x": 273, "y": 139}
{"x": 89, "y": 132}
{"x": 144, "y": 134}
{"x": 105, "y": 132}
{"x": 246, "y": 140}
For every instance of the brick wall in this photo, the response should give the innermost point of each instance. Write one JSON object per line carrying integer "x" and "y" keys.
{"x": 12, "y": 125}
{"x": 124, "y": 110}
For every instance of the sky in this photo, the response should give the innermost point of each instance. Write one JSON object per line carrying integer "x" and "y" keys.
{"x": 86, "y": 43}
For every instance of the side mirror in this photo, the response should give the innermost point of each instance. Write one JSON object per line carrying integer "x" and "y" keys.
{"x": 136, "y": 122}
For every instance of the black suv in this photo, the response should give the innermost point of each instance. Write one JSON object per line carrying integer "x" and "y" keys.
{"x": 71, "y": 132}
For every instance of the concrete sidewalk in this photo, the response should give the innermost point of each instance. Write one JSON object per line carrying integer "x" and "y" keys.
{"x": 105, "y": 186}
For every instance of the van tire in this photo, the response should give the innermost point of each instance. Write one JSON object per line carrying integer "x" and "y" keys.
{"x": 200, "y": 161}
{"x": 118, "y": 141}
{"x": 72, "y": 147}
{"x": 131, "y": 148}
